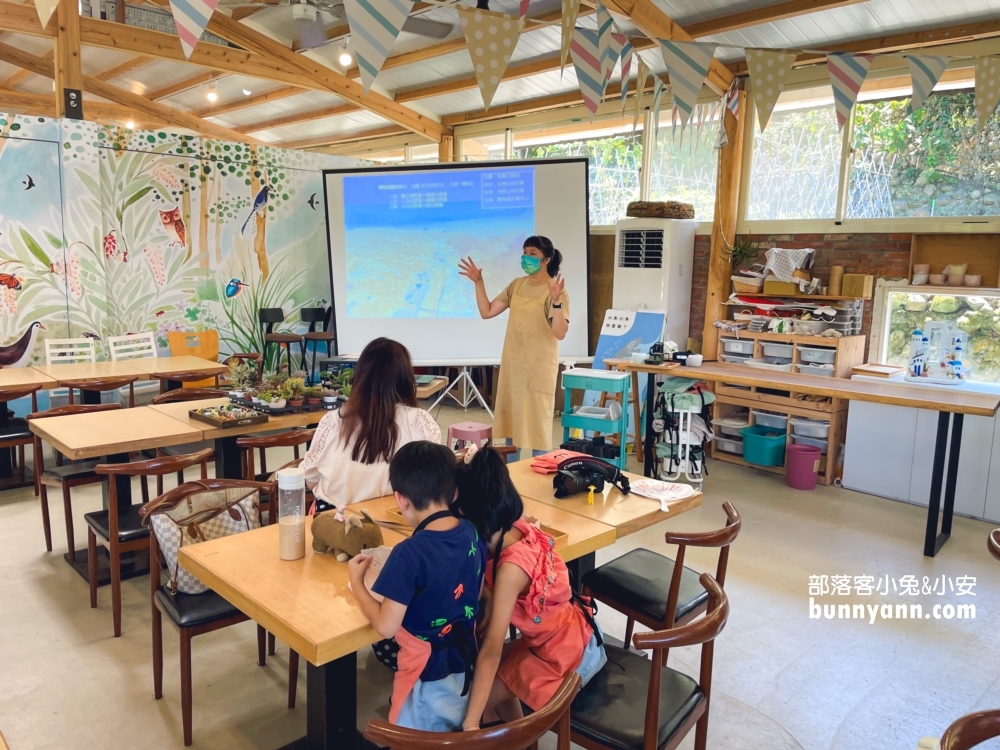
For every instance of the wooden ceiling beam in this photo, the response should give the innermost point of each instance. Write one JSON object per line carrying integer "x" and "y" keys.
{"x": 245, "y": 11}
{"x": 126, "y": 67}
{"x": 66, "y": 61}
{"x": 314, "y": 114}
{"x": 331, "y": 140}
{"x": 186, "y": 85}
{"x": 22, "y": 74}
{"x": 767, "y": 14}
{"x": 330, "y": 79}
{"x": 249, "y": 101}
{"x": 43, "y": 105}
{"x": 136, "y": 103}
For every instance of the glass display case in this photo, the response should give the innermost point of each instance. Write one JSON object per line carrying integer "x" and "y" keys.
{"x": 977, "y": 312}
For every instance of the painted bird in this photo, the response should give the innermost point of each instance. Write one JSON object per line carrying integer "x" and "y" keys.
{"x": 259, "y": 204}
{"x": 18, "y": 353}
{"x": 28, "y": 183}
{"x": 90, "y": 335}
{"x": 234, "y": 288}
{"x": 173, "y": 224}
{"x": 312, "y": 201}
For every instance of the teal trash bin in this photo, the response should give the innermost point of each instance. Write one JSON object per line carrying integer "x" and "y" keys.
{"x": 763, "y": 446}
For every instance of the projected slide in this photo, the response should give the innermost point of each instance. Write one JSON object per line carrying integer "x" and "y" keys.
{"x": 404, "y": 233}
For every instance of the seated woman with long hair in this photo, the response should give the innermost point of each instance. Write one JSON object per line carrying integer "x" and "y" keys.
{"x": 348, "y": 460}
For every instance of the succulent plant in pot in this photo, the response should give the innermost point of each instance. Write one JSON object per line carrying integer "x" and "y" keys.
{"x": 293, "y": 390}
{"x": 330, "y": 395}
{"x": 313, "y": 395}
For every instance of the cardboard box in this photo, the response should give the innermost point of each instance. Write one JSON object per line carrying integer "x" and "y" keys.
{"x": 773, "y": 286}
{"x": 858, "y": 285}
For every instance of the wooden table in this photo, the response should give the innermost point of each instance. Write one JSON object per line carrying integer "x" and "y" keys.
{"x": 170, "y": 365}
{"x": 17, "y": 377}
{"x": 22, "y": 377}
{"x": 90, "y": 371}
{"x": 428, "y": 390}
{"x": 951, "y": 404}
{"x": 307, "y": 604}
{"x": 227, "y": 453}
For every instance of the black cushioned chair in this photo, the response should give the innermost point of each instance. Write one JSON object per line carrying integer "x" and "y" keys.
{"x": 658, "y": 592}
{"x": 268, "y": 317}
{"x": 633, "y": 703}
{"x": 312, "y": 316}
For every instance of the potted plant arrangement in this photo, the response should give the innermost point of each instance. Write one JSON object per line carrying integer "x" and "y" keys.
{"x": 251, "y": 394}
{"x": 325, "y": 378}
{"x": 275, "y": 400}
{"x": 293, "y": 389}
{"x": 343, "y": 381}
{"x": 330, "y": 396}
{"x": 313, "y": 396}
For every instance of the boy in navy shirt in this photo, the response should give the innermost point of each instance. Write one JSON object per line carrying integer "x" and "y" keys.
{"x": 430, "y": 584}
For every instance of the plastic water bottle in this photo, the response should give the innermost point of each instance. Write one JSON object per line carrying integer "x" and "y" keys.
{"x": 292, "y": 513}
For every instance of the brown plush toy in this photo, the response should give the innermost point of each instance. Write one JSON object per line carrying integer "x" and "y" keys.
{"x": 345, "y": 534}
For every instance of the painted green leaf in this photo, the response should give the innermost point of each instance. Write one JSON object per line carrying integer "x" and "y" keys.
{"x": 34, "y": 247}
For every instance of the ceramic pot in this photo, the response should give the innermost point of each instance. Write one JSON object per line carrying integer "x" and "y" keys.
{"x": 278, "y": 403}
{"x": 313, "y": 401}
{"x": 329, "y": 399}
{"x": 919, "y": 279}
{"x": 294, "y": 402}
{"x": 236, "y": 394}
{"x": 937, "y": 279}
{"x": 956, "y": 279}
{"x": 973, "y": 279}
{"x": 921, "y": 268}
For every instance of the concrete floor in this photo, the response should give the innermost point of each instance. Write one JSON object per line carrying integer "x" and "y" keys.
{"x": 782, "y": 680}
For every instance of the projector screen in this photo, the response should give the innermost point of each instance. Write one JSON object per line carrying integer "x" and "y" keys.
{"x": 396, "y": 235}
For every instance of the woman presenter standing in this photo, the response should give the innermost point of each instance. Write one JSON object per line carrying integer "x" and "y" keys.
{"x": 529, "y": 364}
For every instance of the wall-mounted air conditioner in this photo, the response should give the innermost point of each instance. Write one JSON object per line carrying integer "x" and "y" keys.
{"x": 653, "y": 260}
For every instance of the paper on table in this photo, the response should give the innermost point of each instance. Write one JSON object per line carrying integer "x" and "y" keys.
{"x": 665, "y": 492}
{"x": 379, "y": 555}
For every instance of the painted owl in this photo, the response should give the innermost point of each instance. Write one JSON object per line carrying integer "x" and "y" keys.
{"x": 173, "y": 224}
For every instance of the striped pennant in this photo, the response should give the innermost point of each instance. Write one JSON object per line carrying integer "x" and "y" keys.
{"x": 604, "y": 31}
{"x": 687, "y": 64}
{"x": 987, "y": 87}
{"x": 732, "y": 103}
{"x": 589, "y": 73}
{"x": 925, "y": 71}
{"x": 524, "y": 8}
{"x": 768, "y": 70}
{"x": 45, "y": 9}
{"x": 627, "y": 52}
{"x": 847, "y": 73}
{"x": 191, "y": 17}
{"x": 570, "y": 10}
{"x": 657, "y": 98}
{"x": 618, "y": 42}
{"x": 640, "y": 90}
{"x": 374, "y": 25}
{"x": 491, "y": 37}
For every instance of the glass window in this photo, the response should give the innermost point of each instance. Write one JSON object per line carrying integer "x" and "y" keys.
{"x": 614, "y": 171}
{"x": 795, "y": 163}
{"x": 685, "y": 164}
{"x": 932, "y": 163}
{"x": 977, "y": 315}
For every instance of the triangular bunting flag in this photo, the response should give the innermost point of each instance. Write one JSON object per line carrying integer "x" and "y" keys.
{"x": 45, "y": 9}
{"x": 618, "y": 42}
{"x": 373, "y": 32}
{"x": 657, "y": 97}
{"x": 491, "y": 37}
{"x": 640, "y": 90}
{"x": 190, "y": 17}
{"x": 604, "y": 24}
{"x": 524, "y": 8}
{"x": 687, "y": 63}
{"x": 768, "y": 71}
{"x": 987, "y": 87}
{"x": 733, "y": 98}
{"x": 847, "y": 73}
{"x": 626, "y": 68}
{"x": 924, "y": 72}
{"x": 570, "y": 10}
{"x": 587, "y": 61}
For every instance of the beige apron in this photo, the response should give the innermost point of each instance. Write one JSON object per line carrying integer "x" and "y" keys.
{"x": 529, "y": 367}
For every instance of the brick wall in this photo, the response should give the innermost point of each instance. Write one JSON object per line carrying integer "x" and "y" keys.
{"x": 882, "y": 255}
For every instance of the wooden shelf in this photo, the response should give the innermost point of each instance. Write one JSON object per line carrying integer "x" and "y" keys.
{"x": 823, "y": 297}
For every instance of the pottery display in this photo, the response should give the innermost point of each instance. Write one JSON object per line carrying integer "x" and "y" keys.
{"x": 919, "y": 279}
{"x": 973, "y": 279}
{"x": 956, "y": 279}
{"x": 937, "y": 279}
{"x": 921, "y": 269}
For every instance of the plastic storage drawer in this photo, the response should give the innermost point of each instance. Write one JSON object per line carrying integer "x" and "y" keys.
{"x": 771, "y": 421}
{"x": 821, "y": 444}
{"x": 817, "y": 354}
{"x": 735, "y": 359}
{"x": 818, "y": 370}
{"x": 730, "y": 445}
{"x": 729, "y": 425}
{"x": 777, "y": 364}
{"x": 738, "y": 346}
{"x": 771, "y": 349}
{"x": 813, "y": 428}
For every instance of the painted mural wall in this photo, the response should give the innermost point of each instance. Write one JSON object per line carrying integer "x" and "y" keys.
{"x": 106, "y": 231}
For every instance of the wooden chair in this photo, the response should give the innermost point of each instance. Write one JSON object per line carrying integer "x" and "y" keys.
{"x": 174, "y": 396}
{"x": 204, "y": 344}
{"x": 102, "y": 385}
{"x": 269, "y": 316}
{"x": 135, "y": 346}
{"x": 516, "y": 734}
{"x": 64, "y": 476}
{"x": 993, "y": 543}
{"x": 656, "y": 591}
{"x": 634, "y": 702}
{"x": 191, "y": 378}
{"x": 69, "y": 351}
{"x": 971, "y": 730}
{"x": 190, "y": 614}
{"x": 14, "y": 431}
{"x": 188, "y": 394}
{"x": 312, "y": 316}
{"x": 124, "y": 531}
{"x": 291, "y": 438}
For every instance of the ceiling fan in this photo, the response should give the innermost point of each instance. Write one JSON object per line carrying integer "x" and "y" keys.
{"x": 314, "y": 17}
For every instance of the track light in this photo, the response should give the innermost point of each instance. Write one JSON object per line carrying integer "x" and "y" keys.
{"x": 345, "y": 57}
{"x": 130, "y": 124}
{"x": 212, "y": 94}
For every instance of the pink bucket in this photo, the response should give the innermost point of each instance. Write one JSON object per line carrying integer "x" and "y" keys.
{"x": 801, "y": 466}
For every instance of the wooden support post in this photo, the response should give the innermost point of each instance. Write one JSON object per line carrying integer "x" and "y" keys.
{"x": 446, "y": 148}
{"x": 727, "y": 196}
{"x": 67, "y": 53}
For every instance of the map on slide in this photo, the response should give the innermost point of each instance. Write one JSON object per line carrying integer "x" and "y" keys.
{"x": 406, "y": 231}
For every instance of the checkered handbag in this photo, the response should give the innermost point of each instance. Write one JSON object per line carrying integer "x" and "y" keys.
{"x": 202, "y": 517}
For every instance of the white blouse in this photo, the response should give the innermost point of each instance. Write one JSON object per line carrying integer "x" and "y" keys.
{"x": 338, "y": 479}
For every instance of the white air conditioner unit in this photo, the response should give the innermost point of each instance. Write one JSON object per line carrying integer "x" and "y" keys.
{"x": 653, "y": 260}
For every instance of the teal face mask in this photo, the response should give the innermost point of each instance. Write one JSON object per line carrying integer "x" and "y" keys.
{"x": 530, "y": 264}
